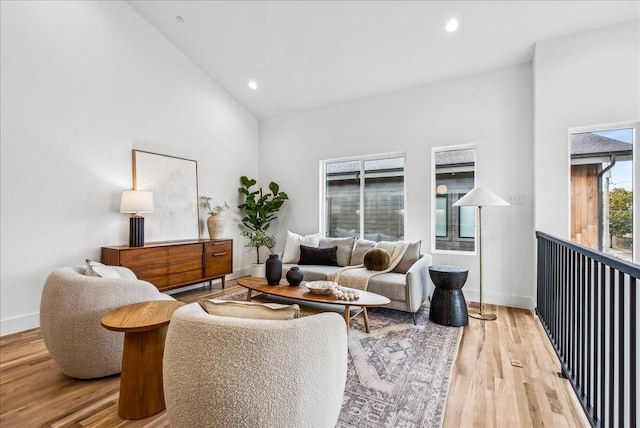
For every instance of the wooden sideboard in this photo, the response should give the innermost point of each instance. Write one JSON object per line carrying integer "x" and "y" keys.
{"x": 175, "y": 264}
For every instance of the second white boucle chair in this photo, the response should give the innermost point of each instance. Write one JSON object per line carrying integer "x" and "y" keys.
{"x": 71, "y": 308}
{"x": 234, "y": 372}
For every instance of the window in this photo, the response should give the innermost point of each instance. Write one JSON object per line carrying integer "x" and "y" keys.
{"x": 454, "y": 176}
{"x": 364, "y": 197}
{"x": 602, "y": 190}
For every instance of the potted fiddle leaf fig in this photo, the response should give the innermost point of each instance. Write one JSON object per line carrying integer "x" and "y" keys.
{"x": 260, "y": 210}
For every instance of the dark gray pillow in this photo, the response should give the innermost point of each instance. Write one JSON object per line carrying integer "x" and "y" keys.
{"x": 345, "y": 247}
{"x": 409, "y": 258}
{"x": 318, "y": 256}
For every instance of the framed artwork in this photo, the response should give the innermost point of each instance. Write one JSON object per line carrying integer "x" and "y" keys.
{"x": 174, "y": 183}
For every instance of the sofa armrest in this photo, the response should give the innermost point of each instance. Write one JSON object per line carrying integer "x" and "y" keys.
{"x": 419, "y": 285}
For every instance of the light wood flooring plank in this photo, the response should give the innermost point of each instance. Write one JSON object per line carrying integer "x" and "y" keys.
{"x": 486, "y": 390}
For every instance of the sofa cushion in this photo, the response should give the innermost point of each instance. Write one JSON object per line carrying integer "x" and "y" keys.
{"x": 390, "y": 284}
{"x": 345, "y": 247}
{"x": 251, "y": 310}
{"x": 377, "y": 259}
{"x": 360, "y": 249}
{"x": 291, "y": 253}
{"x": 312, "y": 272}
{"x": 318, "y": 256}
{"x": 409, "y": 258}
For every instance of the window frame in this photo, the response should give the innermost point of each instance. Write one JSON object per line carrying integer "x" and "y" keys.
{"x": 433, "y": 181}
{"x": 635, "y": 126}
{"x": 362, "y": 159}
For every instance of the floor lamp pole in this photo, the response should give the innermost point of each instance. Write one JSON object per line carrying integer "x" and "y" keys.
{"x": 480, "y": 314}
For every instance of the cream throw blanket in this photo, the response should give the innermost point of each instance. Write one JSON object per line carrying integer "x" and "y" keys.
{"x": 358, "y": 276}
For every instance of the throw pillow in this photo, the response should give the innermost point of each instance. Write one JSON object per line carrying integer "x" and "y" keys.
{"x": 318, "y": 256}
{"x": 409, "y": 258}
{"x": 100, "y": 270}
{"x": 250, "y": 310}
{"x": 291, "y": 252}
{"x": 362, "y": 246}
{"x": 377, "y": 259}
{"x": 345, "y": 247}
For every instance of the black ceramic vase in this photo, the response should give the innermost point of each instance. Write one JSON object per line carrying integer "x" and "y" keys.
{"x": 273, "y": 269}
{"x": 294, "y": 276}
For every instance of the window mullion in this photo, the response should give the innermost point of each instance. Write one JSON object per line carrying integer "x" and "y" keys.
{"x": 362, "y": 178}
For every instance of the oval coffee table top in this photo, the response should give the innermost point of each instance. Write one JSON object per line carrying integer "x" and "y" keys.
{"x": 140, "y": 316}
{"x": 301, "y": 292}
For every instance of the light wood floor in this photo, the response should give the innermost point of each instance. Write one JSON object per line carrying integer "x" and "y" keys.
{"x": 486, "y": 390}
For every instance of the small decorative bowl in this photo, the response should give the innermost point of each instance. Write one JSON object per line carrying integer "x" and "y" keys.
{"x": 321, "y": 287}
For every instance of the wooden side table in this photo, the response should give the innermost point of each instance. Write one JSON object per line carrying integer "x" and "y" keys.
{"x": 448, "y": 306}
{"x": 145, "y": 327}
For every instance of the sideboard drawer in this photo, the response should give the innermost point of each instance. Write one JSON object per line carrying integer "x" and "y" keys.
{"x": 219, "y": 260}
{"x": 149, "y": 264}
{"x": 186, "y": 263}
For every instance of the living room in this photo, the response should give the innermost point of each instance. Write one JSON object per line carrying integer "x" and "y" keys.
{"x": 84, "y": 83}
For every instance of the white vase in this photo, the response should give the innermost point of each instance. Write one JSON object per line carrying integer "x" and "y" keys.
{"x": 215, "y": 224}
{"x": 257, "y": 270}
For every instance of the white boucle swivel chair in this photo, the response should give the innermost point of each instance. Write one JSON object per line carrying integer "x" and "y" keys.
{"x": 234, "y": 372}
{"x": 71, "y": 308}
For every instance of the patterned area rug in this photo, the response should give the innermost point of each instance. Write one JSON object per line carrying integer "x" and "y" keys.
{"x": 399, "y": 374}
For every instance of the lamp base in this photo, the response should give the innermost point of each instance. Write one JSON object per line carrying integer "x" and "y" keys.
{"x": 473, "y": 313}
{"x": 136, "y": 231}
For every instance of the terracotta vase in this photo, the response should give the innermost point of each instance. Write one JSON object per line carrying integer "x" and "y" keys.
{"x": 215, "y": 224}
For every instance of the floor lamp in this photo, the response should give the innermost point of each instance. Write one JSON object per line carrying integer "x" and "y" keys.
{"x": 480, "y": 197}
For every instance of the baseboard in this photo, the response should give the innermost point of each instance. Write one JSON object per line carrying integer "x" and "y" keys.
{"x": 18, "y": 324}
{"x": 511, "y": 300}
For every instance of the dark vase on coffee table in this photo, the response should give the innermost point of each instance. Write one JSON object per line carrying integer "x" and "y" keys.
{"x": 273, "y": 269}
{"x": 294, "y": 276}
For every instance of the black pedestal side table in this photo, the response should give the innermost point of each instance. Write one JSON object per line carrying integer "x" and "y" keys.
{"x": 448, "y": 306}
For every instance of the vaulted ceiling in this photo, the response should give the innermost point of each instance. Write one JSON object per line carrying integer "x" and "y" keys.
{"x": 306, "y": 54}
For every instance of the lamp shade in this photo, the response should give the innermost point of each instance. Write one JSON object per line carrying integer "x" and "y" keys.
{"x": 481, "y": 197}
{"x": 136, "y": 201}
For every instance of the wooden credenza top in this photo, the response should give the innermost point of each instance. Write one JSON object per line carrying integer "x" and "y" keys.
{"x": 166, "y": 244}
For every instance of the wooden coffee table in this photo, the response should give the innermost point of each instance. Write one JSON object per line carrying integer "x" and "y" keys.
{"x": 145, "y": 327}
{"x": 300, "y": 292}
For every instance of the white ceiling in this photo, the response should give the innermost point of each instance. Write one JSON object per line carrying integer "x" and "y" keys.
{"x": 306, "y": 54}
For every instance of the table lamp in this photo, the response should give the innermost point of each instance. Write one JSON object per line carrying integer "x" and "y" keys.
{"x": 481, "y": 197}
{"x": 136, "y": 202}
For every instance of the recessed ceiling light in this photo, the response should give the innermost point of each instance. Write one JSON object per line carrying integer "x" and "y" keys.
{"x": 452, "y": 25}
{"x": 253, "y": 85}
{"x": 180, "y": 19}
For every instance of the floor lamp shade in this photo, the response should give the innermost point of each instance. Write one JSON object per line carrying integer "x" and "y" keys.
{"x": 136, "y": 202}
{"x": 481, "y": 197}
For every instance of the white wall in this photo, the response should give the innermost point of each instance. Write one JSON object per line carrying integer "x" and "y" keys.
{"x": 84, "y": 83}
{"x": 492, "y": 111}
{"x": 585, "y": 79}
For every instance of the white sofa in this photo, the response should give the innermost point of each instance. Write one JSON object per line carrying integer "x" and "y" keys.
{"x": 71, "y": 308}
{"x": 232, "y": 372}
{"x": 407, "y": 286}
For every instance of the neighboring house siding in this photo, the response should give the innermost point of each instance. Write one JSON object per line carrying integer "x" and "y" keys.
{"x": 584, "y": 204}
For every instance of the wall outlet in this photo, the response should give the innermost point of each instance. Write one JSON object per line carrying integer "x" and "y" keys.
{"x": 516, "y": 199}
